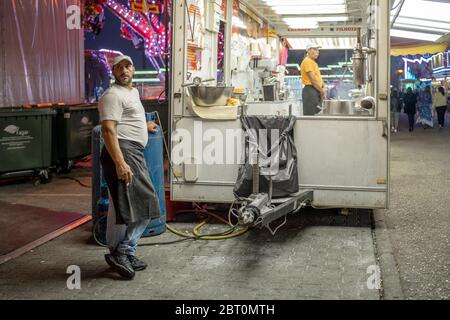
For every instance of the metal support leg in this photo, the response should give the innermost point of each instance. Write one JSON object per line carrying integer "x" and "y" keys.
{"x": 270, "y": 189}
{"x": 255, "y": 173}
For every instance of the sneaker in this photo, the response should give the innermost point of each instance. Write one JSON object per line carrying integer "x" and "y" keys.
{"x": 121, "y": 264}
{"x": 109, "y": 260}
{"x": 137, "y": 264}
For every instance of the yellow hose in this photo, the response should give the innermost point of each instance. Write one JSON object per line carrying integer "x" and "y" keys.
{"x": 179, "y": 233}
{"x": 196, "y": 230}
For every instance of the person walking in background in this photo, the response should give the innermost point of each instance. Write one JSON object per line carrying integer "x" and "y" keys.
{"x": 396, "y": 107}
{"x": 401, "y": 96}
{"x": 425, "y": 111}
{"x": 402, "y": 93}
{"x": 410, "y": 101}
{"x": 440, "y": 104}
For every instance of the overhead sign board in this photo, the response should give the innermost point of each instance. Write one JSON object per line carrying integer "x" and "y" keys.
{"x": 334, "y": 31}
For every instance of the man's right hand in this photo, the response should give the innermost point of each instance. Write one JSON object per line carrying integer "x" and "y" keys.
{"x": 124, "y": 173}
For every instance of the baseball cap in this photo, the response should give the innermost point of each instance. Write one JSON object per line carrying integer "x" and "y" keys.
{"x": 312, "y": 46}
{"x": 118, "y": 59}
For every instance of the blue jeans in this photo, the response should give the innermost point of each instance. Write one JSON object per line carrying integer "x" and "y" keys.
{"x": 395, "y": 117}
{"x": 121, "y": 238}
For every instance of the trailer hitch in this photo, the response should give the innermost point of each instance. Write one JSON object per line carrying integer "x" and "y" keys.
{"x": 260, "y": 211}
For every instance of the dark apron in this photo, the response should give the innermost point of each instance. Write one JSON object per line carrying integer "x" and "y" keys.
{"x": 138, "y": 201}
{"x": 311, "y": 99}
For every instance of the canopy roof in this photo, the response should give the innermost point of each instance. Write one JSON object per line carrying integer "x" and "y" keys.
{"x": 426, "y": 20}
{"x": 417, "y": 25}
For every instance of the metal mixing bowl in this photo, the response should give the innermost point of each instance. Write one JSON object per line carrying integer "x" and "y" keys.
{"x": 204, "y": 96}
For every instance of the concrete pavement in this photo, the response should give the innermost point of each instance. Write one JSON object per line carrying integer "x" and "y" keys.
{"x": 418, "y": 221}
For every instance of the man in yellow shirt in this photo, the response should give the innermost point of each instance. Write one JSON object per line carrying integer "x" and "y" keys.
{"x": 313, "y": 89}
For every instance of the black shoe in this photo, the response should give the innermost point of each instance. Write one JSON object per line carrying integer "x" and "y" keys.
{"x": 137, "y": 264}
{"x": 108, "y": 259}
{"x": 121, "y": 264}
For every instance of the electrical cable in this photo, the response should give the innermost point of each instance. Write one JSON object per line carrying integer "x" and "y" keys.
{"x": 75, "y": 179}
{"x": 394, "y": 19}
{"x": 395, "y": 7}
{"x": 164, "y": 243}
{"x": 191, "y": 26}
{"x": 165, "y": 145}
{"x": 160, "y": 95}
{"x": 276, "y": 229}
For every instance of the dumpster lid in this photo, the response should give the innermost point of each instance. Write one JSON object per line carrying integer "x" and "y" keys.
{"x": 20, "y": 111}
{"x": 77, "y": 107}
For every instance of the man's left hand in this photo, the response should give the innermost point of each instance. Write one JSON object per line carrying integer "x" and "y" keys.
{"x": 152, "y": 127}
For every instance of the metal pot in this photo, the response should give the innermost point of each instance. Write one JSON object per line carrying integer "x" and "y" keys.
{"x": 344, "y": 108}
{"x": 338, "y": 107}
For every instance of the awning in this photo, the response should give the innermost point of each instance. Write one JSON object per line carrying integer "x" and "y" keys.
{"x": 425, "y": 20}
{"x": 419, "y": 49}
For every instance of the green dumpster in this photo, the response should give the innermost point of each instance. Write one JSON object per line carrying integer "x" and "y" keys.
{"x": 25, "y": 141}
{"x": 72, "y": 131}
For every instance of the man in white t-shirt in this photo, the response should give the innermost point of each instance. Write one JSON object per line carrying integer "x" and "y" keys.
{"x": 132, "y": 197}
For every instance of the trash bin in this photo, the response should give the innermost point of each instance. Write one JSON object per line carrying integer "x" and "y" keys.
{"x": 99, "y": 187}
{"x": 162, "y": 107}
{"x": 26, "y": 142}
{"x": 154, "y": 157}
{"x": 73, "y": 132}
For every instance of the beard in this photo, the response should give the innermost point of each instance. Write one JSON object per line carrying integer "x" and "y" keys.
{"x": 124, "y": 80}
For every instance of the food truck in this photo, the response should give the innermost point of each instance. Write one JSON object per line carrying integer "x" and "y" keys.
{"x": 237, "y": 49}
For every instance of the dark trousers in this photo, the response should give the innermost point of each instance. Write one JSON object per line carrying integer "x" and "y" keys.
{"x": 411, "y": 119}
{"x": 311, "y": 100}
{"x": 441, "y": 114}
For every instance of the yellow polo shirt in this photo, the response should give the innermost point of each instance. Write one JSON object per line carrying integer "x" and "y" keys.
{"x": 309, "y": 65}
